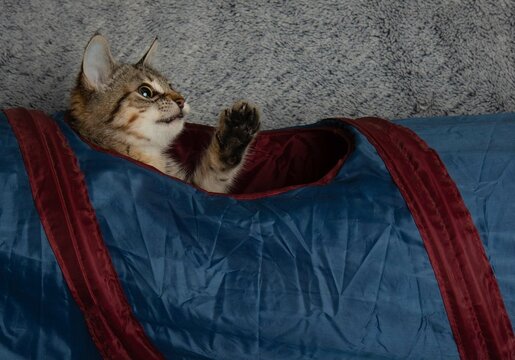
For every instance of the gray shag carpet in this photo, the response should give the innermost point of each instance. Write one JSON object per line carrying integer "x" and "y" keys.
{"x": 299, "y": 61}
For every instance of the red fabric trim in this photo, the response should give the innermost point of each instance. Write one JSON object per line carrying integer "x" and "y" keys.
{"x": 474, "y": 305}
{"x": 62, "y": 200}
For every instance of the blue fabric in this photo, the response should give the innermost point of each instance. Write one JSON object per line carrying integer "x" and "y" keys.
{"x": 38, "y": 317}
{"x": 479, "y": 153}
{"x": 330, "y": 272}
{"x": 323, "y": 272}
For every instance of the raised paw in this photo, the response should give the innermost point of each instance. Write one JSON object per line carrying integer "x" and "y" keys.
{"x": 237, "y": 126}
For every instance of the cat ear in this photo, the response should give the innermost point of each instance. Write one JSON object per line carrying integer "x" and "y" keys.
{"x": 97, "y": 63}
{"x": 149, "y": 55}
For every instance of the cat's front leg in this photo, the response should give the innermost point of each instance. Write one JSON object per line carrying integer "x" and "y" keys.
{"x": 219, "y": 166}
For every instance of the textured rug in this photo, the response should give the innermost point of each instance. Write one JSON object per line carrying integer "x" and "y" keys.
{"x": 299, "y": 61}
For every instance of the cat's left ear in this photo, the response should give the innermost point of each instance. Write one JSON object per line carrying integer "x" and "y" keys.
{"x": 98, "y": 63}
{"x": 149, "y": 55}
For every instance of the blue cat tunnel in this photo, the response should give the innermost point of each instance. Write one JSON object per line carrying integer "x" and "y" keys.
{"x": 345, "y": 239}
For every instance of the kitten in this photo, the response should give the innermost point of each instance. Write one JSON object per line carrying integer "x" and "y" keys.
{"x": 134, "y": 110}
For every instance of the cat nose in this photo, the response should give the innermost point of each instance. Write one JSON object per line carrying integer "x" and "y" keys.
{"x": 176, "y": 98}
{"x": 180, "y": 102}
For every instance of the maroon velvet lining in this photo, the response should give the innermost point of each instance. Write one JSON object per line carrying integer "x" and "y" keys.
{"x": 474, "y": 305}
{"x": 62, "y": 201}
{"x": 278, "y": 160}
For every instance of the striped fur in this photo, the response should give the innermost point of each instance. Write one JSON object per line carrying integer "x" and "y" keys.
{"x": 133, "y": 109}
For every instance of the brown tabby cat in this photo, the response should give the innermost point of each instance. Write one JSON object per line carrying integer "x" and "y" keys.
{"x": 134, "y": 110}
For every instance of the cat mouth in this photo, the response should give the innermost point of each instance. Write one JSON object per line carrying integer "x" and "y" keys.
{"x": 170, "y": 119}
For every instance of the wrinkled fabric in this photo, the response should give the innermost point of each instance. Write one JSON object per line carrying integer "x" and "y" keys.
{"x": 471, "y": 295}
{"x": 38, "y": 317}
{"x": 321, "y": 272}
{"x": 479, "y": 153}
{"x": 329, "y": 272}
{"x": 69, "y": 222}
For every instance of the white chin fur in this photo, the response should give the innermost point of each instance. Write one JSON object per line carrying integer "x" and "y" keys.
{"x": 160, "y": 134}
{"x": 186, "y": 109}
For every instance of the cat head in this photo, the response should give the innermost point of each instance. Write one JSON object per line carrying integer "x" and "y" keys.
{"x": 132, "y": 103}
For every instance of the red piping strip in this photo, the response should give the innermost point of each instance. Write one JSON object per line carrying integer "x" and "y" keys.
{"x": 471, "y": 295}
{"x": 62, "y": 200}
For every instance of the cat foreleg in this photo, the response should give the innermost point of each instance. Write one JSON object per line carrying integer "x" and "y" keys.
{"x": 225, "y": 156}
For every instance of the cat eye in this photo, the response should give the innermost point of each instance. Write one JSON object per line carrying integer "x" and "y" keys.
{"x": 145, "y": 91}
